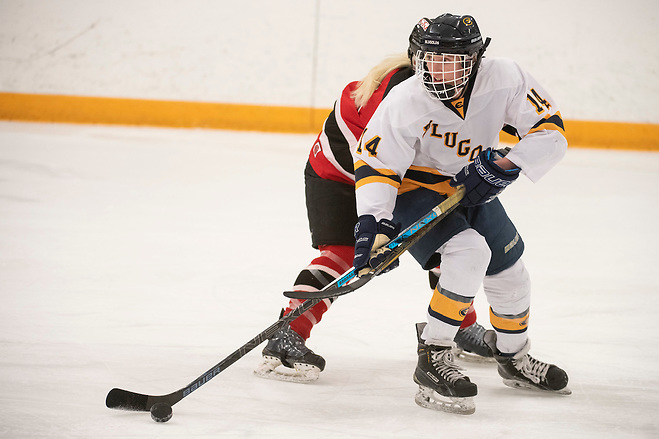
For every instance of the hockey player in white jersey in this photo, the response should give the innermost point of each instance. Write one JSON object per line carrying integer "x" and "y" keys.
{"x": 330, "y": 200}
{"x": 433, "y": 132}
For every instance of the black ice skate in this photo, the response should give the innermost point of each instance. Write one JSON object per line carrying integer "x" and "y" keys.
{"x": 471, "y": 346}
{"x": 441, "y": 384}
{"x": 287, "y": 348}
{"x": 524, "y": 371}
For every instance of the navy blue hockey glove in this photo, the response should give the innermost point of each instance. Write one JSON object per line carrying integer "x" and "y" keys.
{"x": 370, "y": 238}
{"x": 483, "y": 180}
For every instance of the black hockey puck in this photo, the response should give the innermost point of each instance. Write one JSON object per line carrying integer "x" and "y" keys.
{"x": 161, "y": 412}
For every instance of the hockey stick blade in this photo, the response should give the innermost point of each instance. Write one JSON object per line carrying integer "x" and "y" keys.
{"x": 137, "y": 402}
{"x": 350, "y": 280}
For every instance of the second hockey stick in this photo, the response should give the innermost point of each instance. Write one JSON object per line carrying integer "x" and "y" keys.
{"x": 350, "y": 281}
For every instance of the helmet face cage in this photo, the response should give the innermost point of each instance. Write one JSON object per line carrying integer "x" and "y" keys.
{"x": 445, "y": 52}
{"x": 444, "y": 75}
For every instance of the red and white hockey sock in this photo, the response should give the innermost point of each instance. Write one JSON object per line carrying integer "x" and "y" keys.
{"x": 334, "y": 260}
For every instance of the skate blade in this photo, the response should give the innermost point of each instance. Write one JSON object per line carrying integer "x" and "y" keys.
{"x": 472, "y": 358}
{"x": 429, "y": 399}
{"x": 271, "y": 368}
{"x": 526, "y": 386}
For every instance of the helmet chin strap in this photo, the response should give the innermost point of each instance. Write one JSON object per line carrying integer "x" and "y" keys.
{"x": 470, "y": 81}
{"x": 481, "y": 51}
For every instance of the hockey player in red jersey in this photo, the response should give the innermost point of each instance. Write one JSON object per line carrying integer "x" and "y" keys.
{"x": 330, "y": 200}
{"x": 443, "y": 124}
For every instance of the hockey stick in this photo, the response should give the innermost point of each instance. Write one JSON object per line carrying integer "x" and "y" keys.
{"x": 350, "y": 281}
{"x": 126, "y": 400}
{"x": 132, "y": 401}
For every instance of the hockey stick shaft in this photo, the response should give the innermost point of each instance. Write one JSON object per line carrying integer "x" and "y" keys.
{"x": 350, "y": 281}
{"x": 126, "y": 400}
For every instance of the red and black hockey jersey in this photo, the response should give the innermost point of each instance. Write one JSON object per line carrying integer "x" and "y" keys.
{"x": 331, "y": 154}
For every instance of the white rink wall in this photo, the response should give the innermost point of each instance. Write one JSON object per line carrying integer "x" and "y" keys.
{"x": 598, "y": 59}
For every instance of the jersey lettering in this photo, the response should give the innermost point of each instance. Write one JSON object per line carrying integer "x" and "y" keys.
{"x": 434, "y": 132}
{"x": 463, "y": 147}
{"x": 425, "y": 129}
{"x": 450, "y": 139}
{"x": 371, "y": 146}
{"x": 475, "y": 152}
{"x": 538, "y": 102}
{"x": 361, "y": 139}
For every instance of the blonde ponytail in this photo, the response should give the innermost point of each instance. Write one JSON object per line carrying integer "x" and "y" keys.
{"x": 367, "y": 86}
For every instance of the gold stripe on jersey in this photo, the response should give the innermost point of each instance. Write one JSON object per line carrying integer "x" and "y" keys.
{"x": 549, "y": 122}
{"x": 449, "y": 307}
{"x": 509, "y": 324}
{"x": 429, "y": 178}
{"x": 365, "y": 174}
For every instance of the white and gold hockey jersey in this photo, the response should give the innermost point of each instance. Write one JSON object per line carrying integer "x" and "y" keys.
{"x": 414, "y": 141}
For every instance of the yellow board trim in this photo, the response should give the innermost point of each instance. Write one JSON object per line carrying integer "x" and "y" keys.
{"x": 184, "y": 114}
{"x": 606, "y": 135}
{"x": 177, "y": 114}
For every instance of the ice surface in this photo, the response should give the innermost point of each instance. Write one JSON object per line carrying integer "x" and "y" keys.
{"x": 138, "y": 258}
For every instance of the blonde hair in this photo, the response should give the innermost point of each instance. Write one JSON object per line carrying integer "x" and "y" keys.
{"x": 367, "y": 86}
